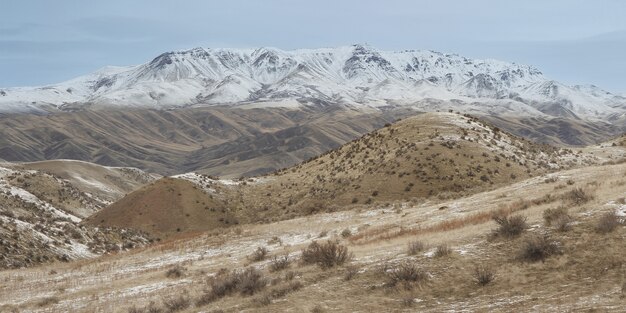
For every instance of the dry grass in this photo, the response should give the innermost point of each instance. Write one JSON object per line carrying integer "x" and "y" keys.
{"x": 387, "y": 232}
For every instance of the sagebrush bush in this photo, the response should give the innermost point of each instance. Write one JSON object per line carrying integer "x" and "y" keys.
{"x": 442, "y": 250}
{"x": 258, "y": 255}
{"x": 177, "y": 303}
{"x": 578, "y": 196}
{"x": 247, "y": 282}
{"x": 325, "y": 255}
{"x": 510, "y": 226}
{"x": 558, "y": 217}
{"x": 415, "y": 247}
{"x": 279, "y": 263}
{"x": 175, "y": 272}
{"x": 483, "y": 275}
{"x": 250, "y": 281}
{"x": 405, "y": 273}
{"x": 44, "y": 302}
{"x": 607, "y": 222}
{"x": 351, "y": 271}
{"x": 538, "y": 248}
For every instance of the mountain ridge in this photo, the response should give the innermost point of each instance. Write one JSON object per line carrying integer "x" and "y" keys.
{"x": 356, "y": 76}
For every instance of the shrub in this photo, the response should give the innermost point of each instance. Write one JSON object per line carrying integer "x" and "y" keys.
{"x": 578, "y": 196}
{"x": 175, "y": 304}
{"x": 442, "y": 250}
{"x": 483, "y": 275}
{"x": 415, "y": 247}
{"x": 346, "y": 233}
{"x": 511, "y": 226}
{"x": 558, "y": 217}
{"x": 538, "y": 248}
{"x": 258, "y": 255}
{"x": 317, "y": 309}
{"x": 280, "y": 292}
{"x": 607, "y": 222}
{"x": 290, "y": 275}
{"x": 264, "y": 300}
{"x": 151, "y": 308}
{"x": 351, "y": 271}
{"x": 405, "y": 273}
{"x": 47, "y": 301}
{"x": 325, "y": 255}
{"x": 175, "y": 272}
{"x": 250, "y": 281}
{"x": 279, "y": 263}
{"x": 247, "y": 282}
{"x": 550, "y": 215}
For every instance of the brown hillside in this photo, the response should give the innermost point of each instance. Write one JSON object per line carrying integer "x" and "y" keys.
{"x": 433, "y": 156}
{"x": 165, "y": 208}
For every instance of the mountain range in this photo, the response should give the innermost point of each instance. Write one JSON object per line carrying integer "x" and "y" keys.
{"x": 357, "y": 76}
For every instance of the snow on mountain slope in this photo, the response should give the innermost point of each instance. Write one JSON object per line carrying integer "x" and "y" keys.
{"x": 354, "y": 75}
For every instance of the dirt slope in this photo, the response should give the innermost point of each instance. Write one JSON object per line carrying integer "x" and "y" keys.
{"x": 165, "y": 208}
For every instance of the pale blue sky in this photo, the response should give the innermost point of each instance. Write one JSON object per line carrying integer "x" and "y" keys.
{"x": 573, "y": 41}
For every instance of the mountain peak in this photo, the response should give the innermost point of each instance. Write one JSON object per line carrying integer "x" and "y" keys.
{"x": 355, "y": 75}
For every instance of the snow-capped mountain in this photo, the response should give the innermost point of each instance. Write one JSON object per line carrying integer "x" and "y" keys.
{"x": 355, "y": 75}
